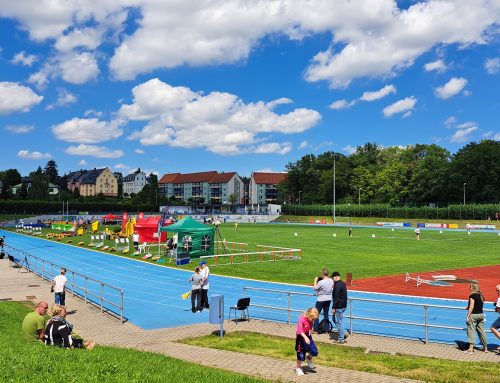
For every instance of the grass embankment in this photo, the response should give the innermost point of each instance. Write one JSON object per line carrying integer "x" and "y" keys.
{"x": 391, "y": 252}
{"x": 354, "y": 358}
{"x": 33, "y": 362}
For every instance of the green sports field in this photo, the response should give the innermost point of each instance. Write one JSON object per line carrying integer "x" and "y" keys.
{"x": 390, "y": 252}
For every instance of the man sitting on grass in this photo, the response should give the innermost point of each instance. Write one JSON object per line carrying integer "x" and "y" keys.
{"x": 34, "y": 323}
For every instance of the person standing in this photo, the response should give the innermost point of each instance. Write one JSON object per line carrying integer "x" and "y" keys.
{"x": 2, "y": 243}
{"x": 323, "y": 286}
{"x": 195, "y": 280}
{"x": 304, "y": 344}
{"x": 417, "y": 233}
{"x": 59, "y": 287}
{"x": 33, "y": 327}
{"x": 205, "y": 275}
{"x": 495, "y": 326}
{"x": 135, "y": 239}
{"x": 339, "y": 304}
{"x": 475, "y": 319}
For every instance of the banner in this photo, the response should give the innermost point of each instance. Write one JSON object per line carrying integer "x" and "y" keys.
{"x": 394, "y": 224}
{"x": 95, "y": 225}
{"x": 482, "y": 227}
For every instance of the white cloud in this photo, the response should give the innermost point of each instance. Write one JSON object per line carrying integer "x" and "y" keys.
{"x": 42, "y": 77}
{"x": 438, "y": 66}
{"x": 83, "y": 163}
{"x": 220, "y": 122}
{"x": 88, "y": 38}
{"x": 349, "y": 149}
{"x": 24, "y": 59}
{"x": 78, "y": 67}
{"x": 19, "y": 129}
{"x": 64, "y": 98}
{"x": 87, "y": 130}
{"x": 378, "y": 94}
{"x": 92, "y": 112}
{"x": 451, "y": 88}
{"x": 341, "y": 104}
{"x": 407, "y": 114}
{"x": 401, "y": 106}
{"x": 450, "y": 121}
{"x": 94, "y": 151}
{"x": 26, "y": 154}
{"x": 17, "y": 98}
{"x": 304, "y": 145}
{"x": 463, "y": 132}
{"x": 273, "y": 147}
{"x": 496, "y": 137}
{"x": 139, "y": 151}
{"x": 492, "y": 65}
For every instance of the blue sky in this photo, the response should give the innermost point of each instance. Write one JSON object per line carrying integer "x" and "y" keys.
{"x": 175, "y": 86}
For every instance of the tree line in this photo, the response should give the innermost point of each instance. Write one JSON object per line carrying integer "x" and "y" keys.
{"x": 417, "y": 174}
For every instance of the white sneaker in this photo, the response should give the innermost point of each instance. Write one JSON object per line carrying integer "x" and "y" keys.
{"x": 311, "y": 365}
{"x": 299, "y": 371}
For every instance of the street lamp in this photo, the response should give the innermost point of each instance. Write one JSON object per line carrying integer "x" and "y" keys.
{"x": 300, "y": 191}
{"x": 359, "y": 196}
{"x": 464, "y": 191}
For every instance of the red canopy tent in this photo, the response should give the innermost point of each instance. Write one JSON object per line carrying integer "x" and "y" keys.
{"x": 147, "y": 228}
{"x": 111, "y": 218}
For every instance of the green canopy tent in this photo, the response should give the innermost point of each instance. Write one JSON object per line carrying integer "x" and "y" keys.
{"x": 194, "y": 238}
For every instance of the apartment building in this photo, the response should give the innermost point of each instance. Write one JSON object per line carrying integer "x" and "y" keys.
{"x": 93, "y": 182}
{"x": 263, "y": 188}
{"x": 133, "y": 183}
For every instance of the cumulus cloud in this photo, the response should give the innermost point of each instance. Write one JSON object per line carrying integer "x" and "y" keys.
{"x": 220, "y": 122}
{"x": 304, "y": 145}
{"x": 274, "y": 147}
{"x": 402, "y": 106}
{"x": 341, "y": 104}
{"x": 78, "y": 67}
{"x": 450, "y": 121}
{"x": 463, "y": 132}
{"x": 26, "y": 154}
{"x": 19, "y": 129}
{"x": 83, "y": 163}
{"x": 94, "y": 151}
{"x": 24, "y": 59}
{"x": 492, "y": 65}
{"x": 64, "y": 98}
{"x": 378, "y": 94}
{"x": 451, "y": 88}
{"x": 349, "y": 149}
{"x": 87, "y": 130}
{"x": 438, "y": 66}
{"x": 139, "y": 151}
{"x": 17, "y": 98}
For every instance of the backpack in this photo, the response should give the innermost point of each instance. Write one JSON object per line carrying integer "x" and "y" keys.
{"x": 324, "y": 326}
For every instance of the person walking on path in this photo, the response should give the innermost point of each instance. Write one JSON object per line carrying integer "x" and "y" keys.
{"x": 417, "y": 233}
{"x": 495, "y": 326}
{"x": 323, "y": 286}
{"x": 304, "y": 344}
{"x": 475, "y": 319}
{"x": 33, "y": 327}
{"x": 205, "y": 275}
{"x": 59, "y": 288}
{"x": 195, "y": 280}
{"x": 339, "y": 304}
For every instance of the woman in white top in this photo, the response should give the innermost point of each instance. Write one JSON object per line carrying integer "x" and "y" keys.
{"x": 323, "y": 286}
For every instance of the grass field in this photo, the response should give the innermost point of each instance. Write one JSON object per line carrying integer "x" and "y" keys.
{"x": 33, "y": 362}
{"x": 390, "y": 252}
{"x": 354, "y": 358}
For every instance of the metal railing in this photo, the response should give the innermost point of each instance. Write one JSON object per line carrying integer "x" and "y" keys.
{"x": 425, "y": 324}
{"x": 78, "y": 284}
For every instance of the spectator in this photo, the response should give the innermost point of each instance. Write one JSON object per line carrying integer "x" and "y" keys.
{"x": 323, "y": 286}
{"x": 58, "y": 331}
{"x": 339, "y": 304}
{"x": 205, "y": 274}
{"x": 33, "y": 327}
{"x": 417, "y": 233}
{"x": 495, "y": 326}
{"x": 475, "y": 319}
{"x": 2, "y": 243}
{"x": 59, "y": 287}
{"x": 304, "y": 344}
{"x": 195, "y": 280}
{"x": 135, "y": 239}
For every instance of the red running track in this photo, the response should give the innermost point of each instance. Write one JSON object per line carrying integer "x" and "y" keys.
{"x": 488, "y": 277}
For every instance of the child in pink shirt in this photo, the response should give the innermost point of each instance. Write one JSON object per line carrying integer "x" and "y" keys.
{"x": 304, "y": 344}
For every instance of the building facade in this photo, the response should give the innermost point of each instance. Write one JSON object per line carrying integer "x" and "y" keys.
{"x": 203, "y": 187}
{"x": 134, "y": 183}
{"x": 263, "y": 188}
{"x": 93, "y": 182}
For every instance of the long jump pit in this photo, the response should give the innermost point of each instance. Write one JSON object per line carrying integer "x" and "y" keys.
{"x": 448, "y": 284}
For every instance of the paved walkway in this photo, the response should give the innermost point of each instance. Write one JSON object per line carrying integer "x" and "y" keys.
{"x": 106, "y": 330}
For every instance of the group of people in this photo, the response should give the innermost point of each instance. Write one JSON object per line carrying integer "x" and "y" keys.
{"x": 331, "y": 292}
{"x": 53, "y": 329}
{"x": 199, "y": 288}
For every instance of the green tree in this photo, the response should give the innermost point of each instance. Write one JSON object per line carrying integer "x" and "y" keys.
{"x": 39, "y": 190}
{"x": 50, "y": 171}
{"x": 233, "y": 198}
{"x": 23, "y": 193}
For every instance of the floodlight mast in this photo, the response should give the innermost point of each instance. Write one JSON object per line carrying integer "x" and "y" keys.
{"x": 333, "y": 187}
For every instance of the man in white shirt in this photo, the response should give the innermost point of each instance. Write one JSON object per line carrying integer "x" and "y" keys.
{"x": 205, "y": 274}
{"x": 135, "y": 239}
{"x": 59, "y": 287}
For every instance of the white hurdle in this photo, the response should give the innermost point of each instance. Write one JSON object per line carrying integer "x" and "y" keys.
{"x": 96, "y": 240}
{"x": 122, "y": 244}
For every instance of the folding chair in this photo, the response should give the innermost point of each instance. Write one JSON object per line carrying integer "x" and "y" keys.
{"x": 242, "y": 306}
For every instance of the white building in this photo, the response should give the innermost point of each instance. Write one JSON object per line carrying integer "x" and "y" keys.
{"x": 133, "y": 183}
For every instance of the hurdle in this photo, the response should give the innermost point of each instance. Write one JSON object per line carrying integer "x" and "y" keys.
{"x": 122, "y": 244}
{"x": 96, "y": 240}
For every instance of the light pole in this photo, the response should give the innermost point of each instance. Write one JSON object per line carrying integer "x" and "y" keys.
{"x": 464, "y": 191}
{"x": 300, "y": 191}
{"x": 359, "y": 196}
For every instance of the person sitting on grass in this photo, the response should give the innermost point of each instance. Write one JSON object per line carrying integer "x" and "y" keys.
{"x": 33, "y": 327}
{"x": 58, "y": 331}
{"x": 304, "y": 344}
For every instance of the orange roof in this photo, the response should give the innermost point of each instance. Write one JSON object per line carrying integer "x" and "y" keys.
{"x": 168, "y": 178}
{"x": 269, "y": 178}
{"x": 222, "y": 177}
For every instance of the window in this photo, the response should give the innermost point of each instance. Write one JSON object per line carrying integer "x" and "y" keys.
{"x": 205, "y": 243}
{"x": 187, "y": 243}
